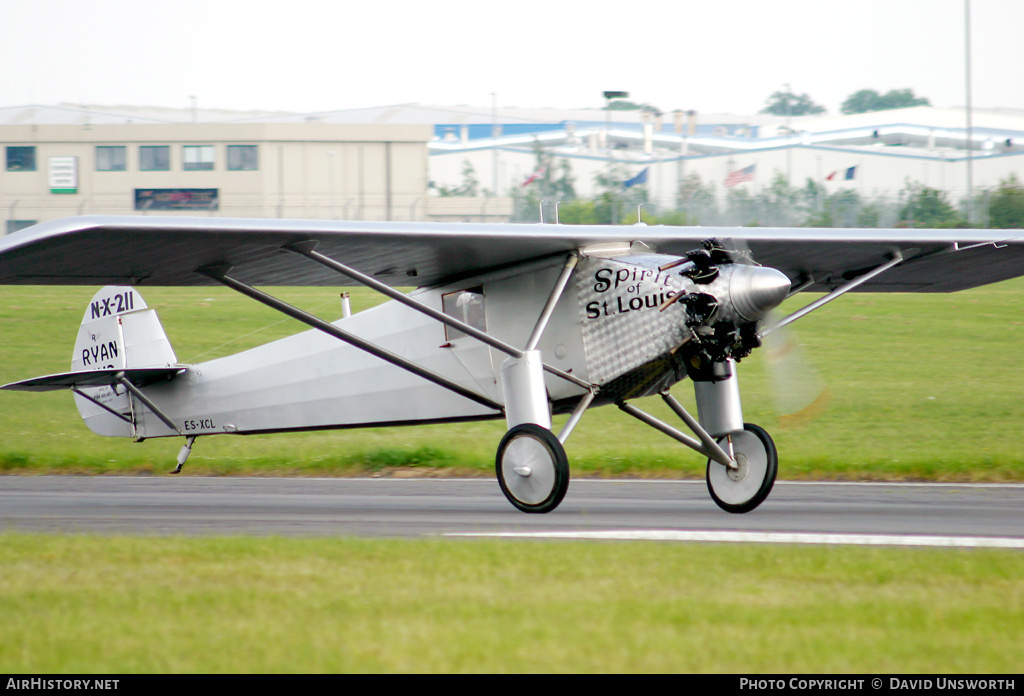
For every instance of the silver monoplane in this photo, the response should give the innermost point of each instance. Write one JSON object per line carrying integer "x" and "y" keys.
{"x": 508, "y": 321}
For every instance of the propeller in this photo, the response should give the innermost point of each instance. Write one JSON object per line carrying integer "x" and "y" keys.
{"x": 798, "y": 390}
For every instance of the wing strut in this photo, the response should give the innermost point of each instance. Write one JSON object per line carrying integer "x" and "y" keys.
{"x": 124, "y": 382}
{"x": 308, "y": 249}
{"x": 219, "y": 273}
{"x": 897, "y": 258}
{"x": 549, "y": 306}
{"x": 106, "y": 408}
{"x": 108, "y": 377}
{"x": 119, "y": 377}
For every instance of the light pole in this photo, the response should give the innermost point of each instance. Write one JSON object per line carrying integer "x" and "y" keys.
{"x": 608, "y": 96}
{"x": 330, "y": 182}
{"x": 789, "y": 146}
{"x": 495, "y": 132}
{"x": 967, "y": 89}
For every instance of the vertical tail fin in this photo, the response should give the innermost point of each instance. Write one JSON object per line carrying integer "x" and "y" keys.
{"x": 118, "y": 331}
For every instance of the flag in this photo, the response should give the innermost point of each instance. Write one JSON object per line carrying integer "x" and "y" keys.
{"x": 640, "y": 178}
{"x": 848, "y": 174}
{"x": 536, "y": 175}
{"x": 740, "y": 175}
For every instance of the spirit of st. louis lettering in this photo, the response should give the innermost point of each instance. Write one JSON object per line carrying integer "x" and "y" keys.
{"x": 629, "y": 290}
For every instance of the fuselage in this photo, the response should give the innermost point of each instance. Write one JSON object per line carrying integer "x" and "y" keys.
{"x": 616, "y": 327}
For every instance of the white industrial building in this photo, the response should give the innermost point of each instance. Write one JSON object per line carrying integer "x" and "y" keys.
{"x": 61, "y": 161}
{"x": 876, "y": 154}
{"x": 395, "y": 162}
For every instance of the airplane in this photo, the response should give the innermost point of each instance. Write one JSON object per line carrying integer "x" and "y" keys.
{"x": 513, "y": 321}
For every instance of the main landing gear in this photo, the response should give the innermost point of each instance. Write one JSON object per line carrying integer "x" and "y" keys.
{"x": 532, "y": 468}
{"x": 743, "y": 488}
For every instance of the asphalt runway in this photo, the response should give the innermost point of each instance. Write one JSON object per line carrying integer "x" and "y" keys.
{"x": 916, "y": 514}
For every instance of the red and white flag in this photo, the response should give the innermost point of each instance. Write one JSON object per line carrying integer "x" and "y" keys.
{"x": 536, "y": 175}
{"x": 740, "y": 175}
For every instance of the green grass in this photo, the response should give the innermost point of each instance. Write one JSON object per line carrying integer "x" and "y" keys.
{"x": 919, "y": 387}
{"x": 89, "y": 604}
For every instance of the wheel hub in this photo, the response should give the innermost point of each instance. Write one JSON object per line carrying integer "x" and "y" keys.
{"x": 532, "y": 468}
{"x": 742, "y": 468}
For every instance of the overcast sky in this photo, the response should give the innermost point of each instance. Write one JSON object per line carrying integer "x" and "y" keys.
{"x": 304, "y": 55}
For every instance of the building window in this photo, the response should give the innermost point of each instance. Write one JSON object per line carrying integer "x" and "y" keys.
{"x": 155, "y": 158}
{"x": 111, "y": 158}
{"x": 198, "y": 158}
{"x": 243, "y": 158}
{"x": 21, "y": 158}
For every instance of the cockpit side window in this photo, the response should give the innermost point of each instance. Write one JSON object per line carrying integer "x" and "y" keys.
{"x": 467, "y": 306}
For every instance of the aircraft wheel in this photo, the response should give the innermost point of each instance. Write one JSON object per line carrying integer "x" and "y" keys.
{"x": 743, "y": 489}
{"x": 532, "y": 468}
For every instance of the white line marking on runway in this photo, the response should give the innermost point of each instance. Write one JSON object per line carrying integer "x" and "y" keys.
{"x": 767, "y": 538}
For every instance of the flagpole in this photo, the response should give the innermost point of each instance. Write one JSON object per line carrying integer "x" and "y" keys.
{"x": 967, "y": 88}
{"x": 494, "y": 143}
{"x": 789, "y": 135}
{"x": 608, "y": 96}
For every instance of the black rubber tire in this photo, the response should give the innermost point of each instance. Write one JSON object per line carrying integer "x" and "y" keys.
{"x": 762, "y": 462}
{"x": 542, "y": 489}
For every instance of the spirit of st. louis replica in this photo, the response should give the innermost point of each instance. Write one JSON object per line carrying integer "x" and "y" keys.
{"x": 507, "y": 321}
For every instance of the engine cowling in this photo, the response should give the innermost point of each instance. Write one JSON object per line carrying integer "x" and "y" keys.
{"x": 648, "y": 310}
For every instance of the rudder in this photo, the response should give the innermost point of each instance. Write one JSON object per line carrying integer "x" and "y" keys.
{"x": 118, "y": 331}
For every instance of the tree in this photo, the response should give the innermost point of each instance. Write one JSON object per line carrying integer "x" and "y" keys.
{"x": 779, "y": 201}
{"x": 1006, "y": 207}
{"x": 625, "y": 105}
{"x": 928, "y": 207}
{"x": 840, "y": 209}
{"x": 613, "y": 197}
{"x": 789, "y": 104}
{"x": 581, "y": 212}
{"x": 468, "y": 187}
{"x": 869, "y": 100}
{"x": 697, "y": 200}
{"x": 556, "y": 183}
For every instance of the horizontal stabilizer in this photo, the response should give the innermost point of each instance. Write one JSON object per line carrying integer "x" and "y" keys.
{"x": 139, "y": 377}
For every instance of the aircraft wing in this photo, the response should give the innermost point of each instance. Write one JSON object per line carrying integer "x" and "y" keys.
{"x": 143, "y": 250}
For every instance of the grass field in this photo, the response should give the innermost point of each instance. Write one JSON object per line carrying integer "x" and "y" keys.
{"x": 918, "y": 387}
{"x": 85, "y": 604}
